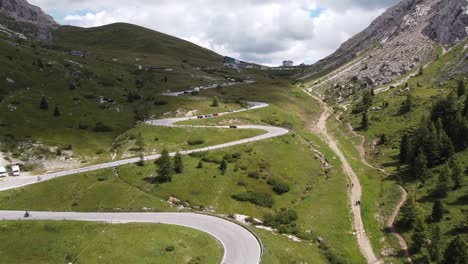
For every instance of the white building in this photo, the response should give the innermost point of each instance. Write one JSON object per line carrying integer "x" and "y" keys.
{"x": 288, "y": 63}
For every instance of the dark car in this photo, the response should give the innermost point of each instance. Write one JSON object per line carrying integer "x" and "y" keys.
{"x": 232, "y": 126}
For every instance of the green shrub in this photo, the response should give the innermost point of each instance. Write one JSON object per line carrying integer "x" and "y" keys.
{"x": 102, "y": 128}
{"x": 170, "y": 248}
{"x": 279, "y": 187}
{"x": 196, "y": 141}
{"x": 258, "y": 198}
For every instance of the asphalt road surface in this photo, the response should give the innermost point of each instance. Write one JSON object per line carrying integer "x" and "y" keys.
{"x": 240, "y": 246}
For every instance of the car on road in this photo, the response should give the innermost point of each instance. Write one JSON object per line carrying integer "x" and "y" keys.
{"x": 232, "y": 126}
{"x": 200, "y": 117}
{"x": 208, "y": 116}
{"x": 3, "y": 172}
{"x": 216, "y": 114}
{"x": 15, "y": 170}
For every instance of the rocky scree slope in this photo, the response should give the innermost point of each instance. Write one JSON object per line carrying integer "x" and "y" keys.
{"x": 405, "y": 37}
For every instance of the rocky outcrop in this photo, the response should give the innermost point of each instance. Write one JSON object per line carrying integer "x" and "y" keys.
{"x": 22, "y": 17}
{"x": 22, "y": 11}
{"x": 449, "y": 23}
{"x": 401, "y": 40}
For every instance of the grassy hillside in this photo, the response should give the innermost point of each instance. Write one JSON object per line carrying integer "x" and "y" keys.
{"x": 76, "y": 242}
{"x": 400, "y": 111}
{"x": 129, "y": 42}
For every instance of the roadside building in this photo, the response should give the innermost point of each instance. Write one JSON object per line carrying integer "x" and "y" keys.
{"x": 77, "y": 53}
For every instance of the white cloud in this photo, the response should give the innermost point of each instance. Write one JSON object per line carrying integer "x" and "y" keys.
{"x": 263, "y": 31}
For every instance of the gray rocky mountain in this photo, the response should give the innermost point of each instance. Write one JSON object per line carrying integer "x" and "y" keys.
{"x": 402, "y": 39}
{"x": 21, "y": 18}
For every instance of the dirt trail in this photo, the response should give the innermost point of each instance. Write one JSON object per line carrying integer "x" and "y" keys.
{"x": 396, "y": 210}
{"x": 356, "y": 191}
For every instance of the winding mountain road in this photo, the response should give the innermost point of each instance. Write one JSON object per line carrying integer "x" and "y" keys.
{"x": 240, "y": 246}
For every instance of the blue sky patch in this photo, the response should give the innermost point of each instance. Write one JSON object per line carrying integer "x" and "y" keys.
{"x": 316, "y": 12}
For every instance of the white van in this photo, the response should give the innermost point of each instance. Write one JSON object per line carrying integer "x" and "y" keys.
{"x": 15, "y": 170}
{"x": 3, "y": 172}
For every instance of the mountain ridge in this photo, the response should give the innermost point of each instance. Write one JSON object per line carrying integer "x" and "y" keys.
{"x": 401, "y": 40}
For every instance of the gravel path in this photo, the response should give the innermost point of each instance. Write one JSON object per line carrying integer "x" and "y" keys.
{"x": 356, "y": 191}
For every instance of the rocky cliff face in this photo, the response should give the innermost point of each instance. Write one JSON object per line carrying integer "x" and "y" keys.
{"x": 21, "y": 17}
{"x": 401, "y": 40}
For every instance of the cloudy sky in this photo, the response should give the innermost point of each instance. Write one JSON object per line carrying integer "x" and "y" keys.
{"x": 262, "y": 31}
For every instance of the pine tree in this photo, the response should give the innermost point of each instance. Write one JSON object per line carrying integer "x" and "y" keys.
{"x": 178, "y": 163}
{"x": 408, "y": 214}
{"x": 419, "y": 234}
{"x": 443, "y": 187}
{"x": 215, "y": 102}
{"x": 164, "y": 167}
{"x": 40, "y": 63}
{"x": 434, "y": 247}
{"x": 420, "y": 170}
{"x": 223, "y": 167}
{"x": 461, "y": 88}
{"x": 404, "y": 149}
{"x": 437, "y": 211}
{"x": 44, "y": 105}
{"x": 407, "y": 104}
{"x": 165, "y": 79}
{"x": 456, "y": 252}
{"x": 457, "y": 173}
{"x": 364, "y": 121}
{"x": 140, "y": 143}
{"x": 421, "y": 71}
{"x": 56, "y": 111}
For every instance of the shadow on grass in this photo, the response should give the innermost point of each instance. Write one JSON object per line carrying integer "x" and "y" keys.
{"x": 462, "y": 200}
{"x": 155, "y": 180}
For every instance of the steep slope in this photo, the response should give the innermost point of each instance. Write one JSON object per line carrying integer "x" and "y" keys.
{"x": 401, "y": 40}
{"x": 22, "y": 11}
{"x": 18, "y": 17}
{"x": 127, "y": 41}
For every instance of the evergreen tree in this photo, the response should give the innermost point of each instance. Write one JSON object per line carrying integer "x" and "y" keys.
{"x": 437, "y": 211}
{"x": 443, "y": 187}
{"x": 407, "y": 214}
{"x": 178, "y": 163}
{"x": 223, "y": 167}
{"x": 407, "y": 104}
{"x": 364, "y": 121}
{"x": 56, "y": 111}
{"x": 215, "y": 102}
{"x": 421, "y": 71}
{"x": 165, "y": 79}
{"x": 44, "y": 105}
{"x": 404, "y": 147}
{"x": 140, "y": 143}
{"x": 200, "y": 165}
{"x": 456, "y": 252}
{"x": 164, "y": 167}
{"x": 40, "y": 63}
{"x": 457, "y": 173}
{"x": 420, "y": 170}
{"x": 419, "y": 234}
{"x": 461, "y": 88}
{"x": 434, "y": 247}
